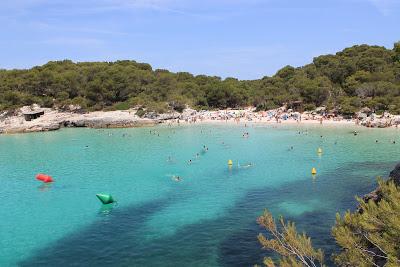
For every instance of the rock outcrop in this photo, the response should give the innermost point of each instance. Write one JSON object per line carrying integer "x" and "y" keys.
{"x": 374, "y": 121}
{"x": 55, "y": 119}
{"x": 108, "y": 122}
{"x": 376, "y": 195}
{"x": 395, "y": 175}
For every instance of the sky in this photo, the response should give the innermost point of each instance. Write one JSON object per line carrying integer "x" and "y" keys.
{"x": 246, "y": 39}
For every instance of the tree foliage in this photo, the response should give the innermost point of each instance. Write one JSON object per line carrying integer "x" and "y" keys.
{"x": 371, "y": 237}
{"x": 295, "y": 249}
{"x": 367, "y": 237}
{"x": 361, "y": 75}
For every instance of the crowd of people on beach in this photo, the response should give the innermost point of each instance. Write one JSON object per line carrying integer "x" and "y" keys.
{"x": 284, "y": 115}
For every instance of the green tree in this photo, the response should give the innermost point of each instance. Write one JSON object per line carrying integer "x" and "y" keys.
{"x": 295, "y": 249}
{"x": 396, "y": 50}
{"x": 368, "y": 237}
{"x": 371, "y": 237}
{"x": 371, "y": 73}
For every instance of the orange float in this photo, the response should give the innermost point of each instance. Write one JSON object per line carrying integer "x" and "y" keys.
{"x": 44, "y": 178}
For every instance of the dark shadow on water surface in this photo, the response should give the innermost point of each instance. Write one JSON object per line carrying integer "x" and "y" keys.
{"x": 103, "y": 242}
{"x": 241, "y": 247}
{"x": 229, "y": 240}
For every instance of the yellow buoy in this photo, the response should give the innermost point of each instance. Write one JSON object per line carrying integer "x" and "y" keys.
{"x": 230, "y": 163}
{"x": 313, "y": 171}
{"x": 319, "y": 151}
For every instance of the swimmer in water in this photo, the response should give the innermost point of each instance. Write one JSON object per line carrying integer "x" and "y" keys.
{"x": 177, "y": 178}
{"x": 248, "y": 165}
{"x": 190, "y": 161}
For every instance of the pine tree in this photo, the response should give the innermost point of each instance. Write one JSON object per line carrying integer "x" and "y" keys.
{"x": 368, "y": 237}
{"x": 295, "y": 249}
{"x": 371, "y": 236}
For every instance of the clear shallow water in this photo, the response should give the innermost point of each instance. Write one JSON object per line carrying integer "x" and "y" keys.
{"x": 207, "y": 219}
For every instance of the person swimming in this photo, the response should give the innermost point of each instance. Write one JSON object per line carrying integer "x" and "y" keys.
{"x": 247, "y": 165}
{"x": 176, "y": 178}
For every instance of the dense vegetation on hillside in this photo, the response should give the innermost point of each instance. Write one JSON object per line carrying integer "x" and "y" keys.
{"x": 353, "y": 78}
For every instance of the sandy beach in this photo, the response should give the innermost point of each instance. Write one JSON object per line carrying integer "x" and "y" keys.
{"x": 53, "y": 119}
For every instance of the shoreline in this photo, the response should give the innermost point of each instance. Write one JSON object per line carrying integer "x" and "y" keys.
{"x": 52, "y": 120}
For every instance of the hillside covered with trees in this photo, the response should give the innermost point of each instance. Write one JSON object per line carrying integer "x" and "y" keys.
{"x": 359, "y": 76}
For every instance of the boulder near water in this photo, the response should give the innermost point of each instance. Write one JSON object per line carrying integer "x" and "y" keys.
{"x": 376, "y": 194}
{"x": 395, "y": 175}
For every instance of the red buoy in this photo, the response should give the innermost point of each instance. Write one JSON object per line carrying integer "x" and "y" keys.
{"x": 44, "y": 178}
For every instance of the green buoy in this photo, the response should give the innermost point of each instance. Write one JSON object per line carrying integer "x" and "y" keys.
{"x": 105, "y": 198}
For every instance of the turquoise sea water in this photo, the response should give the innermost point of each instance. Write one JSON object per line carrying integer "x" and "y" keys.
{"x": 206, "y": 219}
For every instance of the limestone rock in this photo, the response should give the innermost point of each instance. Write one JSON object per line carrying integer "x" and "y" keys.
{"x": 395, "y": 175}
{"x": 376, "y": 195}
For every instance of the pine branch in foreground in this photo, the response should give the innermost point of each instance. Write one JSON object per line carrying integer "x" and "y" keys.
{"x": 295, "y": 249}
